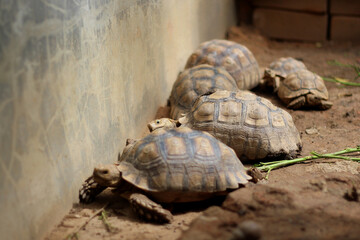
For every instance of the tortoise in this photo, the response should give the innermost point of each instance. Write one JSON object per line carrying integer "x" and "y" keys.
{"x": 168, "y": 165}
{"x": 235, "y": 58}
{"x": 286, "y": 65}
{"x": 304, "y": 89}
{"x": 251, "y": 125}
{"x": 279, "y": 69}
{"x": 194, "y": 82}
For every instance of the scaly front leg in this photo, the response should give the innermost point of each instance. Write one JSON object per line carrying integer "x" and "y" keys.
{"x": 89, "y": 190}
{"x": 147, "y": 209}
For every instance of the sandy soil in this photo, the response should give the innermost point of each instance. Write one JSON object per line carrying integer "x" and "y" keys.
{"x": 336, "y": 129}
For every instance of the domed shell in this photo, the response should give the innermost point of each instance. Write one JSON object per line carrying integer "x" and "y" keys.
{"x": 196, "y": 81}
{"x": 182, "y": 160}
{"x": 251, "y": 125}
{"x": 300, "y": 83}
{"x": 285, "y": 66}
{"x": 235, "y": 58}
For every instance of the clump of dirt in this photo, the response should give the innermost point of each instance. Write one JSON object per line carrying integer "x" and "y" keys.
{"x": 313, "y": 205}
{"x": 314, "y": 200}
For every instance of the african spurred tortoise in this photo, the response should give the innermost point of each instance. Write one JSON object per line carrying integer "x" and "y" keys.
{"x": 195, "y": 81}
{"x": 280, "y": 69}
{"x": 234, "y": 57}
{"x": 251, "y": 125}
{"x": 169, "y": 165}
{"x": 304, "y": 89}
{"x": 287, "y": 65}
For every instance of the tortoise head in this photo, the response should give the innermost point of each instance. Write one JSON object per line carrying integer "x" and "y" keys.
{"x": 107, "y": 175}
{"x": 165, "y": 123}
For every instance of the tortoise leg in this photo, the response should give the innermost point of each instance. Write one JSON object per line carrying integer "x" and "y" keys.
{"x": 297, "y": 103}
{"x": 276, "y": 84}
{"x": 147, "y": 209}
{"x": 325, "y": 104}
{"x": 272, "y": 79}
{"x": 315, "y": 101}
{"x": 89, "y": 190}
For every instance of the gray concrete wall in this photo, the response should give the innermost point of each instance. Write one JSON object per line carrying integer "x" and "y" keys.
{"x": 77, "y": 78}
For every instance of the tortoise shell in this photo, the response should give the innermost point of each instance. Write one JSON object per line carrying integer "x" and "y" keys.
{"x": 286, "y": 66}
{"x": 194, "y": 82}
{"x": 181, "y": 160}
{"x": 251, "y": 125}
{"x": 306, "y": 85}
{"x": 234, "y": 57}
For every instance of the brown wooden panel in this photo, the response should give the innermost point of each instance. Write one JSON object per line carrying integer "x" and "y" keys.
{"x": 281, "y": 24}
{"x": 345, "y": 28}
{"x": 345, "y": 7}
{"x": 318, "y": 6}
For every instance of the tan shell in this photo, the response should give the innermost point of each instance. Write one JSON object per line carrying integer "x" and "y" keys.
{"x": 251, "y": 125}
{"x": 303, "y": 83}
{"x": 234, "y": 57}
{"x": 285, "y": 66}
{"x": 194, "y": 82}
{"x": 183, "y": 161}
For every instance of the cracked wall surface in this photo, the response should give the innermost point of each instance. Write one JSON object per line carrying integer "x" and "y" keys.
{"x": 77, "y": 78}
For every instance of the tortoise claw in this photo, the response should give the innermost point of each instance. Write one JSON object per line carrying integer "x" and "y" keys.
{"x": 89, "y": 190}
{"x": 297, "y": 103}
{"x": 326, "y": 104}
{"x": 149, "y": 210}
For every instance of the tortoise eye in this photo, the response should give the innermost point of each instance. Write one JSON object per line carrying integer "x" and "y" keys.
{"x": 157, "y": 121}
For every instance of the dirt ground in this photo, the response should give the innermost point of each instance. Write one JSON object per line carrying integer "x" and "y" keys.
{"x": 314, "y": 200}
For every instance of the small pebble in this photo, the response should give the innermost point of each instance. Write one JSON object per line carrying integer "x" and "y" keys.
{"x": 311, "y": 131}
{"x": 252, "y": 230}
{"x": 247, "y": 230}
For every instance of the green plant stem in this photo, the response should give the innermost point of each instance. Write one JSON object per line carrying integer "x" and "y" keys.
{"x": 104, "y": 219}
{"x": 355, "y": 67}
{"x": 335, "y": 156}
{"x": 338, "y": 80}
{"x": 282, "y": 163}
{"x": 268, "y": 166}
{"x": 75, "y": 233}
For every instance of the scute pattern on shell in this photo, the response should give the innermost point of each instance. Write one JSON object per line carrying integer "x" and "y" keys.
{"x": 194, "y": 82}
{"x": 302, "y": 83}
{"x": 235, "y": 58}
{"x": 251, "y": 125}
{"x": 182, "y": 160}
{"x": 285, "y": 66}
